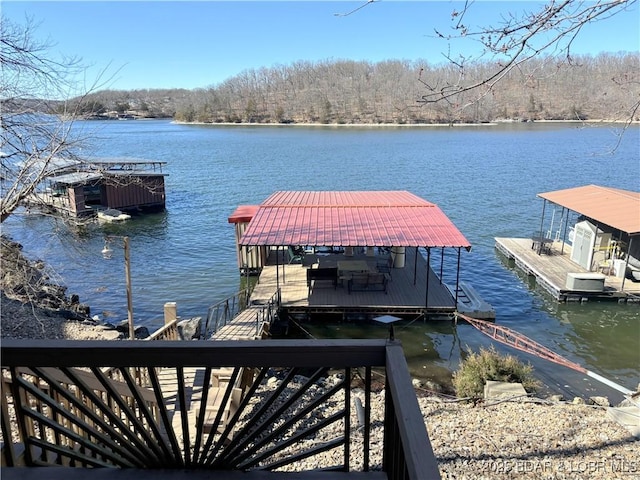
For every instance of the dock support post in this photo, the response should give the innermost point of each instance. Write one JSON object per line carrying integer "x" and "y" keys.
{"x": 566, "y": 225}
{"x": 426, "y": 300}
{"x": 278, "y": 266}
{"x": 541, "y": 236}
{"x": 626, "y": 265}
{"x": 457, "y": 278}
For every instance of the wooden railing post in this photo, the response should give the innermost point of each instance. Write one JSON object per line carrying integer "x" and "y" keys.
{"x": 170, "y": 312}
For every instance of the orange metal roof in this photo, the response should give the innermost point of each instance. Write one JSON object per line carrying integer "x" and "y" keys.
{"x": 617, "y": 208}
{"x": 351, "y": 218}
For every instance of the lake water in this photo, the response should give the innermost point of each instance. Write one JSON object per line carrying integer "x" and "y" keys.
{"x": 485, "y": 178}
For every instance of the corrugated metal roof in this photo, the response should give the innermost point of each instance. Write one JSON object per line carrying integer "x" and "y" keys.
{"x": 76, "y": 177}
{"x": 617, "y": 208}
{"x": 351, "y": 218}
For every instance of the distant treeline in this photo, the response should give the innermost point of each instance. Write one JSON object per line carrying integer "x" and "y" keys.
{"x": 358, "y": 92}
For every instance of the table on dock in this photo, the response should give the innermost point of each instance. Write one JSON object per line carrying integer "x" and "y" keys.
{"x": 541, "y": 244}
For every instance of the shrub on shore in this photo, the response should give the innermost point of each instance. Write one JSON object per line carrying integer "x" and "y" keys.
{"x": 488, "y": 364}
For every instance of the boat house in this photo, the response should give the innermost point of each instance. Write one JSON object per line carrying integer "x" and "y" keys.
{"x": 588, "y": 247}
{"x": 84, "y": 188}
{"x": 354, "y": 255}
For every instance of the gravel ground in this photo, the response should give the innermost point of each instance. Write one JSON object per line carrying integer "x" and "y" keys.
{"x": 523, "y": 438}
{"x": 529, "y": 440}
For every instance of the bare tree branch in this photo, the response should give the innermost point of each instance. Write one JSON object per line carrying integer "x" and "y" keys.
{"x": 355, "y": 9}
{"x": 550, "y": 30}
{"x": 36, "y": 132}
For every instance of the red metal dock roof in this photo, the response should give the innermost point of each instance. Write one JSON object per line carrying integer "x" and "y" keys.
{"x": 351, "y": 218}
{"x": 617, "y": 208}
{"x": 243, "y": 214}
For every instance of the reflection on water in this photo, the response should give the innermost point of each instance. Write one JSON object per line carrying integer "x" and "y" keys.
{"x": 605, "y": 337}
{"x": 432, "y": 349}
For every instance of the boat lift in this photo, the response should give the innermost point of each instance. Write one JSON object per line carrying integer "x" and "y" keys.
{"x": 520, "y": 342}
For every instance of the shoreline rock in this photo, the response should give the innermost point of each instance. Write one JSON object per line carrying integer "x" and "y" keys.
{"x": 26, "y": 321}
{"x": 33, "y": 306}
{"x": 28, "y": 282}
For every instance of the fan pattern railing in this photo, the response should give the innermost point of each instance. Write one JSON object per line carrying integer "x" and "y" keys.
{"x": 217, "y": 405}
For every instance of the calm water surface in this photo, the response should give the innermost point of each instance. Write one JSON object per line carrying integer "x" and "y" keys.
{"x": 484, "y": 178}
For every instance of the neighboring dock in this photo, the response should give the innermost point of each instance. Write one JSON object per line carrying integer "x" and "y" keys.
{"x": 552, "y": 269}
{"x": 84, "y": 188}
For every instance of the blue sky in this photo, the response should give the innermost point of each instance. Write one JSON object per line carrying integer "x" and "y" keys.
{"x": 161, "y": 44}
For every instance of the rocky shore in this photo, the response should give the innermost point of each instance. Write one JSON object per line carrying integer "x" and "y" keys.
{"x": 22, "y": 320}
{"x": 33, "y": 306}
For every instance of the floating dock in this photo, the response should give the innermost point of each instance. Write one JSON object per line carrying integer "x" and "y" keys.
{"x": 562, "y": 278}
{"x": 349, "y": 255}
{"x": 408, "y": 292}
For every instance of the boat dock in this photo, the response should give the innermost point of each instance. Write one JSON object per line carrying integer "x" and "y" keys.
{"x": 405, "y": 294}
{"x": 352, "y": 255}
{"x": 554, "y": 267}
{"x": 92, "y": 187}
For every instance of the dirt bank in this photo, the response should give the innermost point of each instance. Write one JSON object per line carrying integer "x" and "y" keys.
{"x": 33, "y": 306}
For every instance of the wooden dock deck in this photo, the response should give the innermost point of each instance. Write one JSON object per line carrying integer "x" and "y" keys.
{"x": 403, "y": 296}
{"x": 244, "y": 326}
{"x": 550, "y": 271}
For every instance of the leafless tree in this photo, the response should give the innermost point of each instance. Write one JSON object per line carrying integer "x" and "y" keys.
{"x": 36, "y": 136}
{"x": 547, "y": 32}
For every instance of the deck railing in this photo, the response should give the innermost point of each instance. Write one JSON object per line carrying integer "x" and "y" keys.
{"x": 293, "y": 407}
{"x": 268, "y": 314}
{"x": 223, "y": 312}
{"x": 166, "y": 332}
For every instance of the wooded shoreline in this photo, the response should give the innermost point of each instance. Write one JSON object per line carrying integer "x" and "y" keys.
{"x": 396, "y": 92}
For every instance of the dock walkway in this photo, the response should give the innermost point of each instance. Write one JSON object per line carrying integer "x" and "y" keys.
{"x": 550, "y": 271}
{"x": 244, "y": 326}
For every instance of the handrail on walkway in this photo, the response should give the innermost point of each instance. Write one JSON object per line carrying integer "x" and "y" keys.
{"x": 166, "y": 332}
{"x": 225, "y": 311}
{"x": 59, "y": 409}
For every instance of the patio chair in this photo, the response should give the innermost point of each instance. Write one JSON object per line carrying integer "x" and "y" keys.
{"x": 294, "y": 257}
